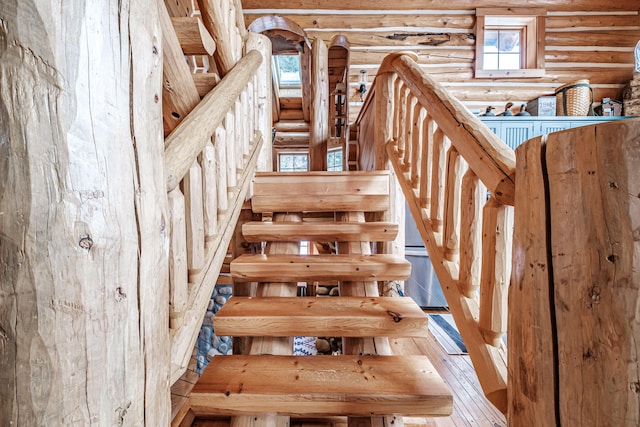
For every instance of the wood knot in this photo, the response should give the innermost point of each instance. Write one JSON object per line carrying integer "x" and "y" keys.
{"x": 397, "y": 317}
{"x": 86, "y": 242}
{"x": 120, "y": 294}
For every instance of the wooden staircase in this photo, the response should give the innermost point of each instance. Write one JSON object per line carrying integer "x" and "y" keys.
{"x": 368, "y": 381}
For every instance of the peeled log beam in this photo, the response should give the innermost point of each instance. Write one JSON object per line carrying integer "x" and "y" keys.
{"x": 214, "y": 18}
{"x": 179, "y": 95}
{"x": 319, "y": 111}
{"x": 190, "y": 137}
{"x": 194, "y": 37}
{"x": 488, "y": 156}
{"x": 83, "y": 252}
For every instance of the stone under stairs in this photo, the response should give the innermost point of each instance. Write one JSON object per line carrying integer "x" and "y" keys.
{"x": 365, "y": 381}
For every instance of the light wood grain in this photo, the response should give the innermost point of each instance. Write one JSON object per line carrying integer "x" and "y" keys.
{"x": 349, "y": 385}
{"x": 449, "y": 114}
{"x": 563, "y": 5}
{"x": 84, "y": 222}
{"x": 473, "y": 196}
{"x": 490, "y": 362}
{"x": 334, "y": 191}
{"x": 205, "y": 82}
{"x": 193, "y": 36}
{"x": 312, "y": 316}
{"x": 178, "y": 269}
{"x": 209, "y": 190}
{"x": 497, "y": 235}
{"x": 179, "y": 94}
{"x": 188, "y": 139}
{"x": 194, "y": 211}
{"x": 319, "y": 107}
{"x": 320, "y": 231}
{"x": 300, "y": 268}
{"x": 594, "y": 183}
{"x": 183, "y": 340}
{"x": 532, "y": 377}
{"x": 215, "y": 20}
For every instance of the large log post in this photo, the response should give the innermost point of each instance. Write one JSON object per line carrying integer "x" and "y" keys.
{"x": 319, "y": 111}
{"x": 575, "y": 346}
{"x": 84, "y": 336}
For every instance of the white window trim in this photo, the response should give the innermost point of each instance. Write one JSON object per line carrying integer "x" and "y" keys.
{"x": 533, "y": 20}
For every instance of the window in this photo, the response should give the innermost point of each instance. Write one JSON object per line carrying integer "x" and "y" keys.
{"x": 334, "y": 160}
{"x": 293, "y": 162}
{"x": 510, "y": 42}
{"x": 286, "y": 69}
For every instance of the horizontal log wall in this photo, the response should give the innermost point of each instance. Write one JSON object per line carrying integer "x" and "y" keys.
{"x": 585, "y": 39}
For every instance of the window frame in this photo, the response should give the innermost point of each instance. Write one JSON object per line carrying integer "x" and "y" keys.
{"x": 290, "y": 152}
{"x": 333, "y": 151}
{"x": 532, "y": 23}
{"x": 287, "y": 88}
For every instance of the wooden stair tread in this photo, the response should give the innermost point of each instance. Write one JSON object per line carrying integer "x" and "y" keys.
{"x": 317, "y": 316}
{"x": 321, "y": 385}
{"x": 258, "y": 231}
{"x": 306, "y": 268}
{"x": 321, "y": 191}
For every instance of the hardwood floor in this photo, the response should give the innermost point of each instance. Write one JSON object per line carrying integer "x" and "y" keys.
{"x": 470, "y": 407}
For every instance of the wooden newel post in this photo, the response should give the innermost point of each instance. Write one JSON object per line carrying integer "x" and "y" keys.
{"x": 574, "y": 326}
{"x": 84, "y": 298}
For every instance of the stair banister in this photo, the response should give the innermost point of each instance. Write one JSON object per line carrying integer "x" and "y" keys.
{"x": 188, "y": 139}
{"x": 445, "y": 160}
{"x": 210, "y": 158}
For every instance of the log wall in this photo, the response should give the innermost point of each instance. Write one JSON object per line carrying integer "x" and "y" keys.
{"x": 585, "y": 39}
{"x": 83, "y": 215}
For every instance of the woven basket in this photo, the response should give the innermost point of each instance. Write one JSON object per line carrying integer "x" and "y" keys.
{"x": 574, "y": 99}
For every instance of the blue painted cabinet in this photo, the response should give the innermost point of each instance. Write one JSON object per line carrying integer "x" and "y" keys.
{"x": 516, "y": 130}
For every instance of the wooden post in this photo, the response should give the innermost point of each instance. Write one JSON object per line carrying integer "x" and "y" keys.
{"x": 473, "y": 195}
{"x": 214, "y": 17}
{"x": 84, "y": 335}
{"x": 573, "y": 328}
{"x": 179, "y": 93}
{"x": 383, "y": 128}
{"x": 497, "y": 226}
{"x": 319, "y": 114}
{"x": 594, "y": 190}
{"x": 532, "y": 379}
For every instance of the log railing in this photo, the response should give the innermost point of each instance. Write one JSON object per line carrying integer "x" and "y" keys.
{"x": 211, "y": 155}
{"x": 458, "y": 180}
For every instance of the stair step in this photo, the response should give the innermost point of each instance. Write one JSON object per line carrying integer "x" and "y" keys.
{"x": 321, "y": 385}
{"x": 259, "y": 231}
{"x": 314, "y": 316}
{"x": 313, "y": 268}
{"x": 321, "y": 191}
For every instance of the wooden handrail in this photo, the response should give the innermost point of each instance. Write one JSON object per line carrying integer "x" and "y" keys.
{"x": 189, "y": 138}
{"x": 491, "y": 159}
{"x": 445, "y": 160}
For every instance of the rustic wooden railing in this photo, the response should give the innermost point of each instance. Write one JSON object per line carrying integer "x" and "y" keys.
{"x": 458, "y": 180}
{"x": 211, "y": 155}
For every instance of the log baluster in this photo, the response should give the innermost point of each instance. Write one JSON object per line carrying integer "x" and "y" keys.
{"x": 178, "y": 271}
{"x": 497, "y": 235}
{"x": 456, "y": 167}
{"x": 210, "y": 191}
{"x": 473, "y": 197}
{"x": 438, "y": 167}
{"x": 192, "y": 189}
{"x": 426, "y": 160}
